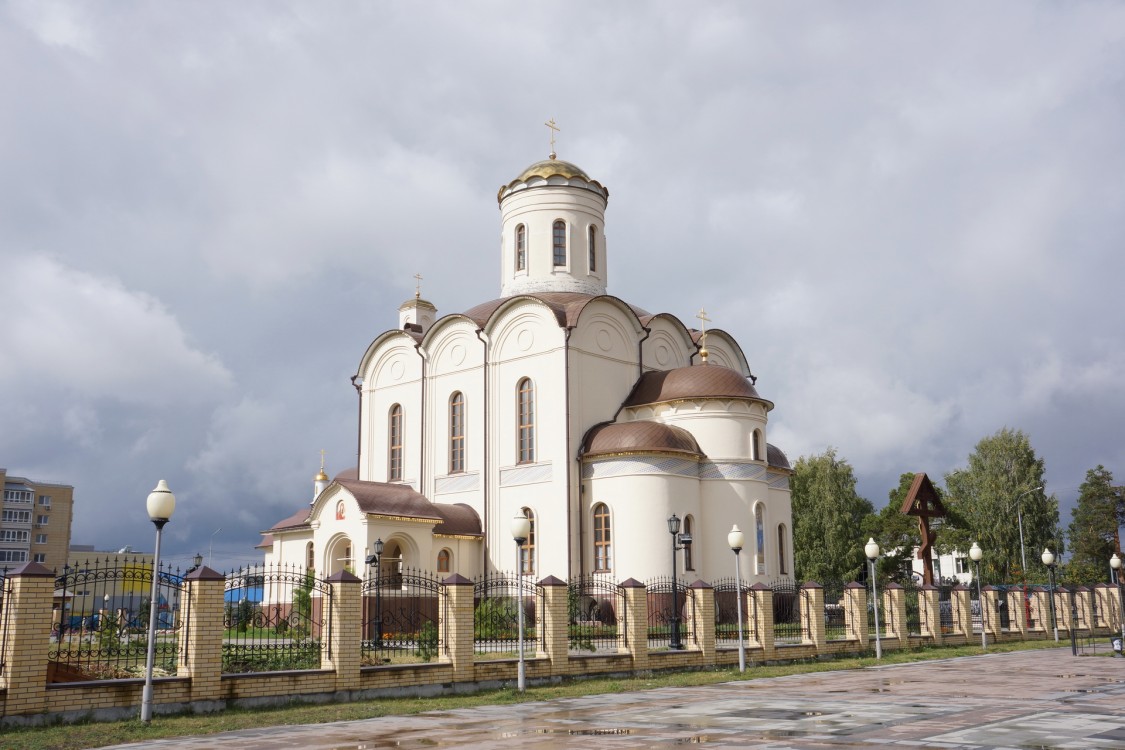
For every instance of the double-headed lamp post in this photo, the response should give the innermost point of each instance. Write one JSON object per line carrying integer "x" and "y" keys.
{"x": 1048, "y": 558}
{"x": 871, "y": 549}
{"x": 1115, "y": 564}
{"x": 161, "y": 505}
{"x": 736, "y": 539}
{"x": 975, "y": 554}
{"x": 521, "y": 530}
{"x": 679, "y": 542}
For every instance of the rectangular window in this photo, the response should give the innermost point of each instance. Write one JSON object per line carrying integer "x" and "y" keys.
{"x": 17, "y": 496}
{"x": 40, "y": 557}
{"x": 41, "y": 520}
{"x": 17, "y": 516}
{"x": 40, "y": 538}
{"x": 13, "y": 555}
{"x": 45, "y": 501}
{"x": 13, "y": 536}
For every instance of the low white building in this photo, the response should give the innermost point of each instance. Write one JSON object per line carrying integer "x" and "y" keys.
{"x": 594, "y": 418}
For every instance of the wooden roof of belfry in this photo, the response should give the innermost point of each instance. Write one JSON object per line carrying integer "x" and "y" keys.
{"x": 922, "y": 499}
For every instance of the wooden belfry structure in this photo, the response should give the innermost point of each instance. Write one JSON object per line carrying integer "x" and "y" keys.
{"x": 922, "y": 501}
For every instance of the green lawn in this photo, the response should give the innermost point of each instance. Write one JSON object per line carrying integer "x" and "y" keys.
{"x": 75, "y": 736}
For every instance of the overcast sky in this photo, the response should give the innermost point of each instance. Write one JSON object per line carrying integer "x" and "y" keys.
{"x": 910, "y": 215}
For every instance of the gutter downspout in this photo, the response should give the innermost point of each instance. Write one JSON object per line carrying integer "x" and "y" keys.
{"x": 569, "y": 477}
{"x": 357, "y": 383}
{"x": 640, "y": 354}
{"x": 486, "y": 470}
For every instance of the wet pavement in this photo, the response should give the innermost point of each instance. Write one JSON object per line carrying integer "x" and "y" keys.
{"x": 1029, "y": 699}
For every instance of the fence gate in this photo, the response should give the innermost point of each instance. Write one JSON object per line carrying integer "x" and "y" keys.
{"x": 497, "y": 598}
{"x": 596, "y": 614}
{"x": 660, "y": 611}
{"x": 726, "y": 612}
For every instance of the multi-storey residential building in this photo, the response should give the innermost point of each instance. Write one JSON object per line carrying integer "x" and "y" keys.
{"x": 35, "y": 522}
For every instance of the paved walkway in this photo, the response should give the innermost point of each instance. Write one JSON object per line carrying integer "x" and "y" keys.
{"x": 1029, "y": 699}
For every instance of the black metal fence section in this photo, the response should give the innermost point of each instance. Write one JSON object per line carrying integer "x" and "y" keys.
{"x": 5, "y": 614}
{"x": 886, "y": 616}
{"x": 915, "y": 610}
{"x": 660, "y": 609}
{"x": 727, "y": 597}
{"x": 402, "y": 618}
{"x": 975, "y": 609}
{"x": 945, "y": 609}
{"x": 496, "y": 601}
{"x": 100, "y": 630}
{"x": 835, "y": 612}
{"x": 1003, "y": 612}
{"x": 596, "y": 614}
{"x": 787, "y": 605}
{"x": 275, "y": 618}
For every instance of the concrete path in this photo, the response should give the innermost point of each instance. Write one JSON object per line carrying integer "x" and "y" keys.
{"x": 1029, "y": 699}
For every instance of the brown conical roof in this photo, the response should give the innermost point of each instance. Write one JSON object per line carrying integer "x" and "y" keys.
{"x": 639, "y": 437}
{"x": 697, "y": 381}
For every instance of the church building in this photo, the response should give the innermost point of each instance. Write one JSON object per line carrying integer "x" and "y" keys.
{"x": 592, "y": 417}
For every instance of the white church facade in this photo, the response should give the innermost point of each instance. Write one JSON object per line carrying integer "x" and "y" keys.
{"x": 592, "y": 417}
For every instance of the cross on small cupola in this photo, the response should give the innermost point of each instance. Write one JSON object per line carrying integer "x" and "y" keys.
{"x": 703, "y": 321}
{"x": 554, "y": 129}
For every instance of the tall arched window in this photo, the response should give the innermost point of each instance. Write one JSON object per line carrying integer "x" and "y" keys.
{"x": 525, "y": 410}
{"x": 603, "y": 539}
{"x": 456, "y": 432}
{"x": 521, "y": 248}
{"x": 444, "y": 561}
{"x": 310, "y": 559}
{"x": 394, "y": 445}
{"x": 781, "y": 567}
{"x": 760, "y": 538}
{"x": 527, "y": 550}
{"x": 756, "y": 446}
{"x": 559, "y": 236}
{"x": 592, "y": 241}
{"x": 689, "y": 564}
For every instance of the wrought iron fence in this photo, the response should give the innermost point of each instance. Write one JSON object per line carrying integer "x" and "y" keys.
{"x": 402, "y": 617}
{"x": 496, "y": 601}
{"x": 915, "y": 609}
{"x": 660, "y": 612}
{"x": 945, "y": 609}
{"x": 100, "y": 630}
{"x": 835, "y": 612}
{"x": 886, "y": 616}
{"x": 596, "y": 614}
{"x": 5, "y": 614}
{"x": 726, "y": 613}
{"x": 275, "y": 618}
{"x": 975, "y": 609}
{"x": 1003, "y": 609}
{"x": 787, "y": 601}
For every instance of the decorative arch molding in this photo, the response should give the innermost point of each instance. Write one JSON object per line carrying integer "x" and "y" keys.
{"x": 377, "y": 348}
{"x": 724, "y": 350}
{"x": 453, "y": 349}
{"x": 335, "y": 554}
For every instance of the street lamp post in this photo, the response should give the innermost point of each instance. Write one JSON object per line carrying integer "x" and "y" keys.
{"x": 1115, "y": 565}
{"x": 975, "y": 554}
{"x": 736, "y": 539}
{"x": 679, "y": 542}
{"x": 1048, "y": 558}
{"x": 871, "y": 549}
{"x": 521, "y": 530}
{"x": 373, "y": 560}
{"x": 161, "y": 504}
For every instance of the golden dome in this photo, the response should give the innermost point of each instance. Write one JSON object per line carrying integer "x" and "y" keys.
{"x": 552, "y": 168}
{"x": 321, "y": 477}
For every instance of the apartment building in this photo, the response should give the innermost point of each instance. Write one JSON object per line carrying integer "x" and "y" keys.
{"x": 35, "y": 522}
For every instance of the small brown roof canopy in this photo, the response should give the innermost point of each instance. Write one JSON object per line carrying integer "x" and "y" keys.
{"x": 922, "y": 499}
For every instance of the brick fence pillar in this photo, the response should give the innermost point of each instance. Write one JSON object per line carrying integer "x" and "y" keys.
{"x": 762, "y": 596}
{"x": 990, "y": 612}
{"x": 703, "y": 620}
{"x": 201, "y": 636}
{"x": 855, "y": 614}
{"x": 1062, "y": 610}
{"x": 343, "y": 649}
{"x": 895, "y": 597}
{"x": 962, "y": 612}
{"x": 635, "y": 631}
{"x": 458, "y": 636}
{"x": 556, "y": 620}
{"x": 812, "y": 595}
{"x": 27, "y": 638}
{"x": 1017, "y": 613}
{"x": 929, "y": 604}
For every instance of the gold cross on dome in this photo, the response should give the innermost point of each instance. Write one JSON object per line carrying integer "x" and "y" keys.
{"x": 417, "y": 286}
{"x": 703, "y": 321}
{"x": 322, "y": 459}
{"x": 554, "y": 129}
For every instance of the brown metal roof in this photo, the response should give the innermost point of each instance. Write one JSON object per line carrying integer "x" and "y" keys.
{"x": 458, "y": 519}
{"x": 567, "y": 306}
{"x": 639, "y": 437}
{"x": 696, "y": 381}
{"x": 298, "y": 519}
{"x": 382, "y": 498}
{"x": 776, "y": 459}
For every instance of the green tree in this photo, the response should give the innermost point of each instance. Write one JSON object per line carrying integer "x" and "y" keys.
{"x": 1003, "y": 476}
{"x": 828, "y": 519}
{"x": 1093, "y": 527}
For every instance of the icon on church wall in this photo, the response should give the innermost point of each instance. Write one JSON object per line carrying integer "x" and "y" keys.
{"x": 340, "y": 511}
